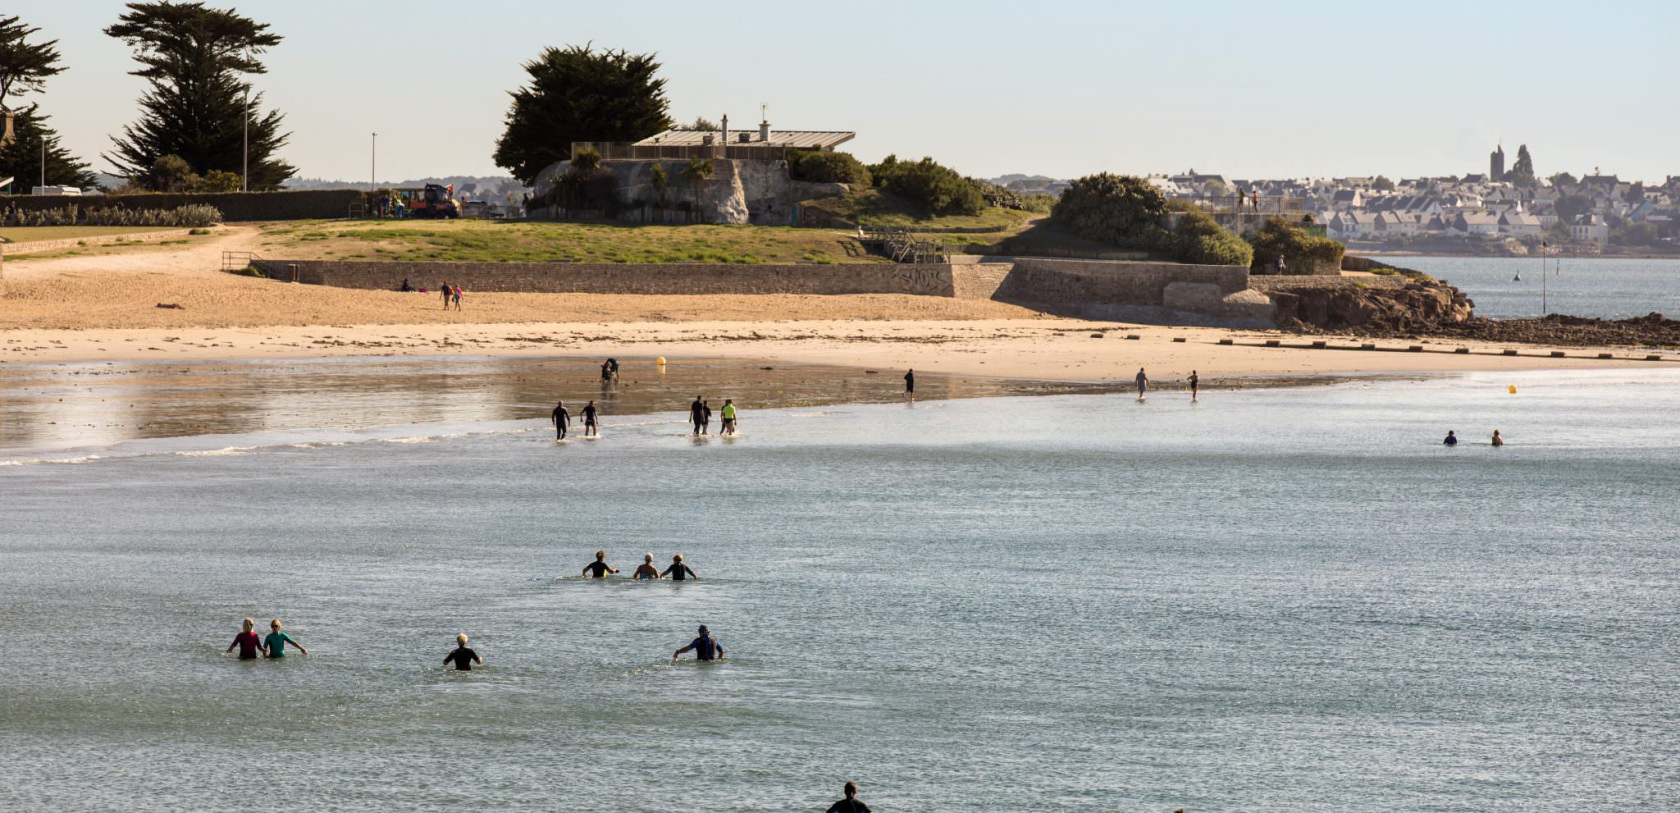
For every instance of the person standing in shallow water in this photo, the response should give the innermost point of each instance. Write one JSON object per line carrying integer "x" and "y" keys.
{"x": 589, "y": 423}
{"x": 1195, "y": 381}
{"x": 646, "y": 570}
{"x": 1452, "y": 439}
{"x": 276, "y": 641}
{"x": 910, "y": 384}
{"x": 1142, "y": 383}
{"x": 705, "y": 648}
{"x": 679, "y": 571}
{"x": 1497, "y": 440}
{"x": 250, "y": 646}
{"x": 598, "y": 569}
{"x": 850, "y": 804}
{"x": 561, "y": 419}
{"x": 728, "y": 416}
{"x": 697, "y": 415}
{"x": 705, "y": 417}
{"x": 462, "y": 657}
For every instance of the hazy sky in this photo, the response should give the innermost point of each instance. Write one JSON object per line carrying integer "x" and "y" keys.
{"x": 1054, "y": 87}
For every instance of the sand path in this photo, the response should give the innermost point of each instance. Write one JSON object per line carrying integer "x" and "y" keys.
{"x": 200, "y": 258}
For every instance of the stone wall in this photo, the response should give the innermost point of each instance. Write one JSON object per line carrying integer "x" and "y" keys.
{"x": 1291, "y": 283}
{"x": 625, "y": 278}
{"x": 1078, "y": 282}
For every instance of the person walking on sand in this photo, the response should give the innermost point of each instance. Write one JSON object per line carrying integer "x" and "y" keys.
{"x": 1195, "y": 381}
{"x": 679, "y": 571}
{"x": 728, "y": 416}
{"x": 598, "y": 569}
{"x": 1497, "y": 440}
{"x": 850, "y": 804}
{"x": 455, "y": 293}
{"x": 276, "y": 641}
{"x": 462, "y": 657}
{"x": 446, "y": 289}
{"x": 646, "y": 570}
{"x": 589, "y": 422}
{"x": 1451, "y": 440}
{"x": 250, "y": 646}
{"x": 561, "y": 419}
{"x": 705, "y": 648}
{"x": 1142, "y": 383}
{"x": 697, "y": 415}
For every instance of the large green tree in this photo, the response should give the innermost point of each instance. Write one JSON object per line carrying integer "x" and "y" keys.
{"x": 197, "y": 59}
{"x": 580, "y": 94}
{"x": 24, "y": 66}
{"x": 1522, "y": 172}
{"x": 21, "y": 159}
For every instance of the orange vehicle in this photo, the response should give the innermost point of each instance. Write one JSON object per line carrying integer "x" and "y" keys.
{"x": 434, "y": 201}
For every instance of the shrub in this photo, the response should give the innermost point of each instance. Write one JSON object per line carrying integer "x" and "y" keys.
{"x": 195, "y": 216}
{"x": 938, "y": 190}
{"x": 1040, "y": 203}
{"x": 1118, "y": 209}
{"x": 313, "y": 204}
{"x": 1300, "y": 251}
{"x": 217, "y": 180}
{"x": 999, "y": 196}
{"x": 821, "y": 166}
{"x": 1198, "y": 239}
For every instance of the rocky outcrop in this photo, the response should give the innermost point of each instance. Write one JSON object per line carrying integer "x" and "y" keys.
{"x": 1417, "y": 306}
{"x": 1650, "y": 330}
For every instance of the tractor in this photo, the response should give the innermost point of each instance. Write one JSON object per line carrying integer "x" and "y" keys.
{"x": 433, "y": 201}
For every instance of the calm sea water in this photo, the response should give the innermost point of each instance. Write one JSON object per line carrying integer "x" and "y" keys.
{"x": 1271, "y": 600}
{"x": 1605, "y": 288}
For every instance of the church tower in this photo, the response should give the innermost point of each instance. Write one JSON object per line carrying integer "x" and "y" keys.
{"x": 1496, "y": 164}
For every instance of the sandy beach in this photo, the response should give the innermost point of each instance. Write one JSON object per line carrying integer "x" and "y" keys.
{"x": 105, "y": 308}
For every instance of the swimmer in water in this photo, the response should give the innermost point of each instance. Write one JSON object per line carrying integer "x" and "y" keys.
{"x": 1497, "y": 440}
{"x": 646, "y": 570}
{"x": 250, "y": 646}
{"x": 463, "y": 657}
{"x": 679, "y": 571}
{"x": 850, "y": 804}
{"x": 276, "y": 641}
{"x": 1452, "y": 439}
{"x": 598, "y": 569}
{"x": 704, "y": 647}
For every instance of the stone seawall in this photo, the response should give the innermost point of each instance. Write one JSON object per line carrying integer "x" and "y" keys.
{"x": 626, "y": 278}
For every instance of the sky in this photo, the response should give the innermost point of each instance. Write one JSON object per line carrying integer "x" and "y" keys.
{"x": 1053, "y": 87}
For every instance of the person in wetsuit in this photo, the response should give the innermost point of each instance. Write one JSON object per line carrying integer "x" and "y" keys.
{"x": 910, "y": 384}
{"x": 697, "y": 415}
{"x": 705, "y": 417}
{"x": 1195, "y": 381}
{"x": 462, "y": 657}
{"x": 561, "y": 418}
{"x": 1452, "y": 439}
{"x": 589, "y": 426}
{"x": 646, "y": 570}
{"x": 850, "y": 804}
{"x": 276, "y": 641}
{"x": 250, "y": 646}
{"x": 598, "y": 569}
{"x": 679, "y": 571}
{"x": 704, "y": 647}
{"x": 728, "y": 416}
{"x": 1142, "y": 383}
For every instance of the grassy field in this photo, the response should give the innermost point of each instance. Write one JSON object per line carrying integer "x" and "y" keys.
{"x": 502, "y": 241}
{"x": 32, "y": 234}
{"x": 872, "y": 208}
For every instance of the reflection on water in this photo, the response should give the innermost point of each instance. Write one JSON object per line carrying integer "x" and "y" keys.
{"x": 99, "y": 404}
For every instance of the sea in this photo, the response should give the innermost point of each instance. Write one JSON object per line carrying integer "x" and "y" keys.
{"x": 1526, "y": 287}
{"x": 1290, "y": 599}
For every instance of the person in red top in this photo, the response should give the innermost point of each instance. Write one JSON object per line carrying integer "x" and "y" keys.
{"x": 250, "y": 646}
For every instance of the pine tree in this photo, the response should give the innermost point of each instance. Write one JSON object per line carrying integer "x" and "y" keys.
{"x": 579, "y": 94}
{"x": 21, "y": 159}
{"x": 1522, "y": 172}
{"x": 196, "y": 59}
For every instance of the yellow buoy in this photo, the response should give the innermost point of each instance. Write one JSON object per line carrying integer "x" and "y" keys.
{"x": 1513, "y": 389}
{"x": 661, "y": 363}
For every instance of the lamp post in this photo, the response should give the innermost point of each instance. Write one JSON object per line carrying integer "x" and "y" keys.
{"x": 373, "y": 165}
{"x": 245, "y": 160}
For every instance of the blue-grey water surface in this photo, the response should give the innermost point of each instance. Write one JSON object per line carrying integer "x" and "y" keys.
{"x": 1606, "y": 288}
{"x": 1271, "y": 600}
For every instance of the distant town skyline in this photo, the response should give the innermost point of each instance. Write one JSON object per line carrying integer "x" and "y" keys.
{"x": 1281, "y": 90}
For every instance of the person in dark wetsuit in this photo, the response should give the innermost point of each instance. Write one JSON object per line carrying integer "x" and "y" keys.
{"x": 1195, "y": 381}
{"x": 250, "y": 646}
{"x": 697, "y": 415}
{"x": 589, "y": 425}
{"x": 561, "y": 419}
{"x": 463, "y": 657}
{"x": 705, "y": 417}
{"x": 598, "y": 569}
{"x": 850, "y": 804}
{"x": 679, "y": 571}
{"x": 1452, "y": 439}
{"x": 1142, "y": 383}
{"x": 910, "y": 384}
{"x": 704, "y": 647}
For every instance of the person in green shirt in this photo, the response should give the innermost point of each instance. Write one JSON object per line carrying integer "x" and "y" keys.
{"x": 275, "y": 643}
{"x": 729, "y": 416}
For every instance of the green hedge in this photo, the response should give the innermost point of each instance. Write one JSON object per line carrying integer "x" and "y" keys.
{"x": 935, "y": 189}
{"x": 1198, "y": 239}
{"x": 1300, "y": 251}
{"x": 1128, "y": 212}
{"x": 819, "y": 166}
{"x": 314, "y": 204}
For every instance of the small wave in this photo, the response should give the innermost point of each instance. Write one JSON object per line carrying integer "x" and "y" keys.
{"x": 409, "y": 440}
{"x": 223, "y": 452}
{"x": 53, "y": 460}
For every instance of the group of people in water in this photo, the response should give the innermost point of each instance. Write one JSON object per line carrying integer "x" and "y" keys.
{"x": 1452, "y": 439}
{"x": 677, "y": 572}
{"x": 700, "y": 416}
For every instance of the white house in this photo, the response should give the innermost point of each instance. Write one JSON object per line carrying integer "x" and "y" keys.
{"x": 1591, "y": 228}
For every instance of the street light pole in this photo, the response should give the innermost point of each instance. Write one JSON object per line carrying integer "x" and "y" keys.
{"x": 373, "y": 165}
{"x": 245, "y": 167}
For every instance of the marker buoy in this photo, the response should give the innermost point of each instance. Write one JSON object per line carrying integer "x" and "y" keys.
{"x": 1512, "y": 389}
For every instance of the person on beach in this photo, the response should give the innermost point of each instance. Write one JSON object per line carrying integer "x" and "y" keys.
{"x": 447, "y": 288}
{"x": 646, "y": 570}
{"x": 697, "y": 414}
{"x": 910, "y": 384}
{"x": 406, "y": 288}
{"x": 613, "y": 363}
{"x": 1452, "y": 439}
{"x": 250, "y": 646}
{"x": 679, "y": 571}
{"x": 455, "y": 293}
{"x": 850, "y": 804}
{"x": 1497, "y": 440}
{"x": 462, "y": 657}
{"x": 276, "y": 641}
{"x": 728, "y": 416}
{"x": 1195, "y": 381}
{"x": 704, "y": 647}
{"x": 705, "y": 417}
{"x": 589, "y": 422}
{"x": 606, "y": 372}
{"x": 598, "y": 569}
{"x": 561, "y": 419}
{"x": 1142, "y": 383}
